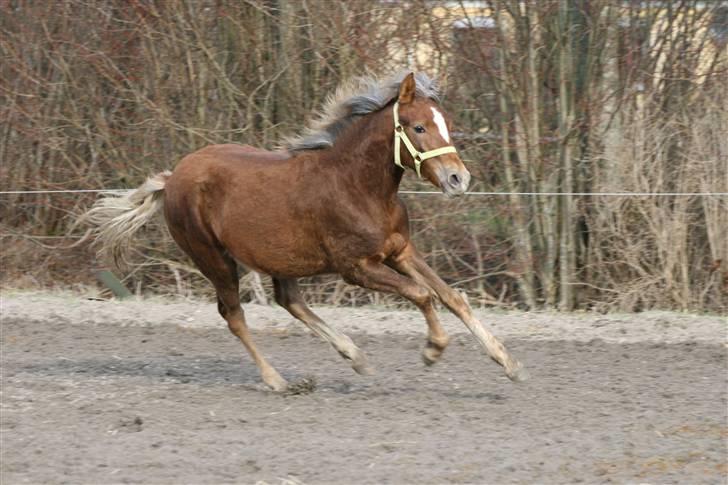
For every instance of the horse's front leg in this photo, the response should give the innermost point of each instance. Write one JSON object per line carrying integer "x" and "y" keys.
{"x": 410, "y": 263}
{"x": 377, "y": 276}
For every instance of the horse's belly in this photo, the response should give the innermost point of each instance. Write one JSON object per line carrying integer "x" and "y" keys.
{"x": 294, "y": 268}
{"x": 279, "y": 253}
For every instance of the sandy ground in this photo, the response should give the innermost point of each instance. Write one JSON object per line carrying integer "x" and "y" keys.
{"x": 158, "y": 391}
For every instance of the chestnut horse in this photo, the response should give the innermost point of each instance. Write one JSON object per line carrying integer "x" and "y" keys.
{"x": 326, "y": 204}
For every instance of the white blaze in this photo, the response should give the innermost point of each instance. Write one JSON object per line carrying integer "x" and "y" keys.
{"x": 440, "y": 122}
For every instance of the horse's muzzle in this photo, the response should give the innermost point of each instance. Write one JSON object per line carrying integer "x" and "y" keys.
{"x": 454, "y": 182}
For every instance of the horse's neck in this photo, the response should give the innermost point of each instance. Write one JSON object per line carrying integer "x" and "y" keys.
{"x": 366, "y": 158}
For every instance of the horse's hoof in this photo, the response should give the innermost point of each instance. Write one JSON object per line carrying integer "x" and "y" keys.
{"x": 359, "y": 362}
{"x": 364, "y": 370}
{"x": 430, "y": 355}
{"x": 433, "y": 351}
{"x": 275, "y": 382}
{"x": 361, "y": 365}
{"x": 278, "y": 386}
{"x": 518, "y": 373}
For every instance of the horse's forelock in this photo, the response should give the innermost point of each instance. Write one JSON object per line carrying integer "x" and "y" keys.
{"x": 357, "y": 97}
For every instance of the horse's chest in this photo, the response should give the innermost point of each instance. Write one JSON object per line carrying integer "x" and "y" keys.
{"x": 378, "y": 234}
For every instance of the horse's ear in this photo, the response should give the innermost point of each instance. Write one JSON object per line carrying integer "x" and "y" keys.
{"x": 407, "y": 89}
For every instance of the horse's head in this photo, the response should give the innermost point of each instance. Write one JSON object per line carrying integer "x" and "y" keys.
{"x": 422, "y": 141}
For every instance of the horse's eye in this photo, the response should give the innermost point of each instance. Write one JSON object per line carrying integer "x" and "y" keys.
{"x": 419, "y": 129}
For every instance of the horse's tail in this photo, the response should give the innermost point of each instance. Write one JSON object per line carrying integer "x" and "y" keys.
{"x": 117, "y": 217}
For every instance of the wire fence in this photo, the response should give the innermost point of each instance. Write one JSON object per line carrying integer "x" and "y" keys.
{"x": 423, "y": 192}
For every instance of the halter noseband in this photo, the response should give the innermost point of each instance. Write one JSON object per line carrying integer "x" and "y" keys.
{"x": 419, "y": 157}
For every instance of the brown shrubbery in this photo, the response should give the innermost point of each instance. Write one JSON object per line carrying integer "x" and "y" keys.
{"x": 553, "y": 96}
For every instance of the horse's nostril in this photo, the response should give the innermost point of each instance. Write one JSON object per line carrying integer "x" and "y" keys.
{"x": 454, "y": 180}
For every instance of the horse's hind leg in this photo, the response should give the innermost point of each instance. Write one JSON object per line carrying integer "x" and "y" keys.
{"x": 222, "y": 272}
{"x": 228, "y": 304}
{"x": 288, "y": 296}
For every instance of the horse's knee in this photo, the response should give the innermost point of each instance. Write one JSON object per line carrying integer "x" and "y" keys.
{"x": 421, "y": 296}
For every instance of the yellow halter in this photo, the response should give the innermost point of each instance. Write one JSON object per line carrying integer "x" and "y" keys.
{"x": 419, "y": 157}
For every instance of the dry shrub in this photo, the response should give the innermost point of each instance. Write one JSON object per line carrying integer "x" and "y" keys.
{"x": 664, "y": 251}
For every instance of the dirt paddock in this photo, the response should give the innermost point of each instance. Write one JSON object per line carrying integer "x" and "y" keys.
{"x": 159, "y": 392}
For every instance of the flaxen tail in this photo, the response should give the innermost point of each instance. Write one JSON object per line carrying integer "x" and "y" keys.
{"x": 117, "y": 217}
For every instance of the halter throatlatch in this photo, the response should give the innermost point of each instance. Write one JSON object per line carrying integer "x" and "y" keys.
{"x": 418, "y": 156}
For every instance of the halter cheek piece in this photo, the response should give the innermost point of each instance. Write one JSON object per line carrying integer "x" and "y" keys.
{"x": 419, "y": 157}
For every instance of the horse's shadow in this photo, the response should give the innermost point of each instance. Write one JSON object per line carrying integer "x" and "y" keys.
{"x": 203, "y": 371}
{"x": 195, "y": 371}
{"x": 209, "y": 371}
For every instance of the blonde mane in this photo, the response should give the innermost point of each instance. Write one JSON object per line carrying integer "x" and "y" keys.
{"x": 353, "y": 99}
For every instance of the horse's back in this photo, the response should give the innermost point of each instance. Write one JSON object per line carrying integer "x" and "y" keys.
{"x": 231, "y": 153}
{"x": 217, "y": 173}
{"x": 225, "y": 167}
{"x": 243, "y": 153}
